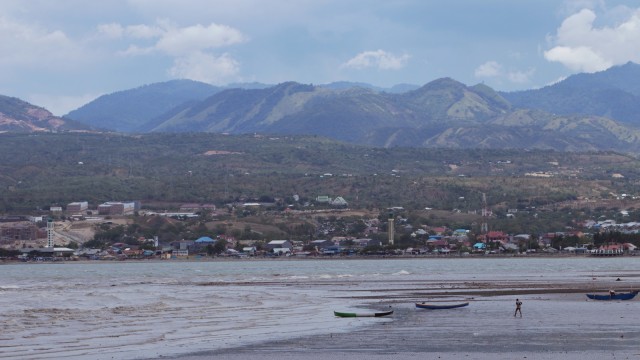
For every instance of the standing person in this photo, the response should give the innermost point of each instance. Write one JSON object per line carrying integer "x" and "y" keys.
{"x": 518, "y": 308}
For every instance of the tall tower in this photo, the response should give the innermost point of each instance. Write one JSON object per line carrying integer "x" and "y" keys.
{"x": 50, "y": 233}
{"x": 390, "y": 228}
{"x": 485, "y": 214}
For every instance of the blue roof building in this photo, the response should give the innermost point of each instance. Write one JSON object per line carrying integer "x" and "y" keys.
{"x": 205, "y": 240}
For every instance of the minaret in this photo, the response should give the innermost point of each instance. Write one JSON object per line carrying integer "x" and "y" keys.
{"x": 50, "y": 233}
{"x": 390, "y": 228}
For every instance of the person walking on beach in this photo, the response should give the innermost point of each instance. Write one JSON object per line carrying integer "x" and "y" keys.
{"x": 518, "y": 308}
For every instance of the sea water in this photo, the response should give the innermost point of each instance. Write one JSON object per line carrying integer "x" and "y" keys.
{"x": 131, "y": 310}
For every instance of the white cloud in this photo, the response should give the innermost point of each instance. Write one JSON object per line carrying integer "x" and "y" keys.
{"x": 135, "y": 50}
{"x": 579, "y": 58}
{"x": 190, "y": 47}
{"x": 379, "y": 59}
{"x": 493, "y": 69}
{"x": 581, "y": 46}
{"x": 205, "y": 67}
{"x": 144, "y": 31}
{"x": 23, "y": 44}
{"x": 111, "y": 31}
{"x": 521, "y": 77}
{"x": 488, "y": 69}
{"x": 176, "y": 41}
{"x": 197, "y": 38}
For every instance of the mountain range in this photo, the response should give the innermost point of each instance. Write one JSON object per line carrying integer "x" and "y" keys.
{"x": 581, "y": 113}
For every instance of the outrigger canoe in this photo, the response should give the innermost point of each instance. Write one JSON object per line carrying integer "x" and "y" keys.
{"x": 440, "y": 306}
{"x": 618, "y": 296}
{"x": 347, "y": 314}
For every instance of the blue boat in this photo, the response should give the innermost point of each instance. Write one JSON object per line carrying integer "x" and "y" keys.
{"x": 618, "y": 296}
{"x": 440, "y": 306}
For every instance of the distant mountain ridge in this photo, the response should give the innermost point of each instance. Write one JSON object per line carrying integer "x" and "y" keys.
{"x": 125, "y": 111}
{"x": 442, "y": 113}
{"x": 613, "y": 93}
{"x": 581, "y": 113}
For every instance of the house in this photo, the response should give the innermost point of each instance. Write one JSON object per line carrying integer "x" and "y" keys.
{"x": 339, "y": 201}
{"x": 362, "y": 243}
{"x": 440, "y": 230}
{"x": 181, "y": 248}
{"x": 275, "y": 244}
{"x": 332, "y": 250}
{"x": 249, "y": 250}
{"x": 321, "y": 244}
{"x": 281, "y": 251}
{"x": 460, "y": 232}
{"x": 496, "y": 236}
{"x": 438, "y": 245}
{"x": 420, "y": 232}
{"x": 205, "y": 240}
{"x": 479, "y": 246}
{"x": 202, "y": 242}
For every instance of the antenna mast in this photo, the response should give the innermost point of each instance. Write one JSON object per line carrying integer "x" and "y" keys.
{"x": 484, "y": 228}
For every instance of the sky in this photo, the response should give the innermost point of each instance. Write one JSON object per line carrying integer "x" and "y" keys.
{"x": 62, "y": 54}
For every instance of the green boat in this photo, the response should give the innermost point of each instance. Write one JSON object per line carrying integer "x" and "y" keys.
{"x": 348, "y": 314}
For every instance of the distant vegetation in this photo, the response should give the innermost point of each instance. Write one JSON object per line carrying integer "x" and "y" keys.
{"x": 40, "y": 170}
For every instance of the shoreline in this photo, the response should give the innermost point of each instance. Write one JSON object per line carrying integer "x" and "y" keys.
{"x": 323, "y": 258}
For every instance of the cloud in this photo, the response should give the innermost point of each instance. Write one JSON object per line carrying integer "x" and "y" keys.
{"x": 174, "y": 41}
{"x": 23, "y": 44}
{"x": 488, "y": 69}
{"x": 493, "y": 69}
{"x": 521, "y": 77}
{"x": 191, "y": 47}
{"x": 379, "y": 59}
{"x": 196, "y": 38}
{"x": 581, "y": 46}
{"x": 111, "y": 31}
{"x": 205, "y": 67}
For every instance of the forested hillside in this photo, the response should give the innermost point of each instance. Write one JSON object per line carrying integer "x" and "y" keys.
{"x": 37, "y": 171}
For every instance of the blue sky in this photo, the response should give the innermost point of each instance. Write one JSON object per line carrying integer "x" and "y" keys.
{"x": 62, "y": 54}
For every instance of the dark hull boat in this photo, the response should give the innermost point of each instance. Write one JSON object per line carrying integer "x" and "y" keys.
{"x": 349, "y": 314}
{"x": 619, "y": 296}
{"x": 440, "y": 306}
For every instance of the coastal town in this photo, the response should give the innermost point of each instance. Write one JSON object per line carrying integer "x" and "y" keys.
{"x": 113, "y": 231}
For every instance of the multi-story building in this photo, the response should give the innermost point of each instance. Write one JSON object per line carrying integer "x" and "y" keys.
{"x": 117, "y": 208}
{"x": 77, "y": 207}
{"x": 23, "y": 230}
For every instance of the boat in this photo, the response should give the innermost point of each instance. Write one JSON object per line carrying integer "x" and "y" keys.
{"x": 617, "y": 296}
{"x": 440, "y": 306}
{"x": 349, "y": 314}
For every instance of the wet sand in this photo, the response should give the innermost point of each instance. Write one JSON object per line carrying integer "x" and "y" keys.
{"x": 558, "y": 322}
